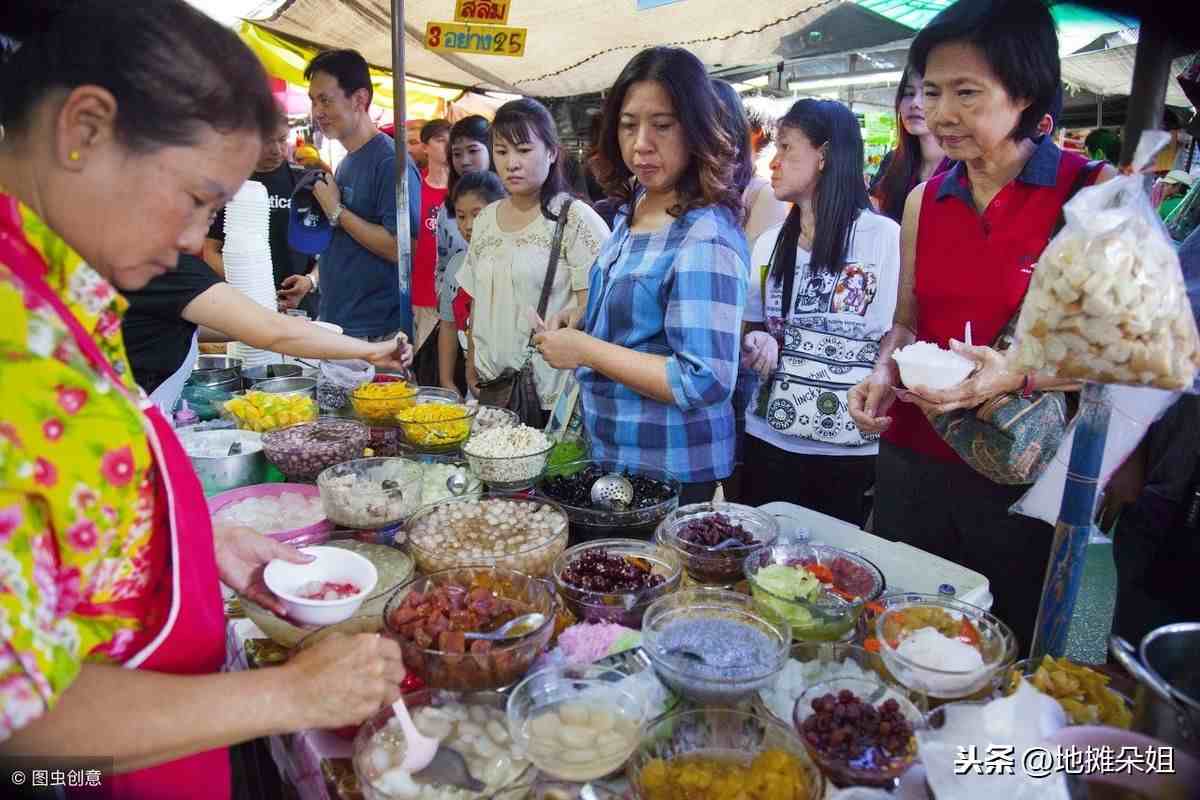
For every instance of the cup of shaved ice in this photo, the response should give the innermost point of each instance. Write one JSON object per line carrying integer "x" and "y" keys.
{"x": 925, "y": 365}
{"x": 327, "y": 590}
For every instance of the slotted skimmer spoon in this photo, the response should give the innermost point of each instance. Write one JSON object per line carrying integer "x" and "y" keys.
{"x": 612, "y": 492}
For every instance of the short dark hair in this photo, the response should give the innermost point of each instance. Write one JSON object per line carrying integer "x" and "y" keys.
{"x": 172, "y": 69}
{"x": 435, "y": 127}
{"x": 708, "y": 178}
{"x": 477, "y": 129}
{"x": 1018, "y": 39}
{"x": 738, "y": 127}
{"x": 348, "y": 68}
{"x": 520, "y": 121}
{"x": 485, "y": 183}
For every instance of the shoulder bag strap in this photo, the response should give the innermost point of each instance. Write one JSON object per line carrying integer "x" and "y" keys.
{"x": 1083, "y": 177}
{"x": 552, "y": 267}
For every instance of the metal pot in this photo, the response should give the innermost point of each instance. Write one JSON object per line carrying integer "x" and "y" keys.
{"x": 1167, "y": 669}
{"x": 217, "y": 371}
{"x": 222, "y": 473}
{"x": 304, "y": 386}
{"x": 256, "y": 375}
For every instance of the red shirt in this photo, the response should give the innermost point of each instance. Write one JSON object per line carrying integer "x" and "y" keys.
{"x": 424, "y": 292}
{"x": 977, "y": 267}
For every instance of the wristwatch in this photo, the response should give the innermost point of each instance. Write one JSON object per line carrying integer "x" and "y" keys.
{"x": 336, "y": 215}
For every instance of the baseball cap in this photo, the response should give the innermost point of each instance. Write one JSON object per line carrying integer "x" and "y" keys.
{"x": 309, "y": 230}
{"x": 1178, "y": 176}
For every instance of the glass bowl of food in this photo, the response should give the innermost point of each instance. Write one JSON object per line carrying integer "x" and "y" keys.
{"x": 436, "y": 421}
{"x": 263, "y": 412}
{"x": 509, "y": 458}
{"x": 576, "y": 723}
{"x": 655, "y": 494}
{"x": 488, "y": 417}
{"x": 430, "y": 618}
{"x": 302, "y": 452}
{"x": 370, "y": 493}
{"x": 718, "y": 753}
{"x": 615, "y": 580}
{"x": 715, "y": 539}
{"x": 860, "y": 731}
{"x": 714, "y": 646}
{"x": 378, "y": 402}
{"x": 494, "y": 529}
{"x": 472, "y": 724}
{"x": 944, "y": 648}
{"x": 1082, "y": 691}
{"x": 817, "y": 662}
{"x": 819, "y": 589}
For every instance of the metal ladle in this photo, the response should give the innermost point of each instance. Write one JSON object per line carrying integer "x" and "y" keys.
{"x": 526, "y": 623}
{"x": 612, "y": 492}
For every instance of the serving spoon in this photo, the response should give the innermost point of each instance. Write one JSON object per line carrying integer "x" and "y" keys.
{"x": 530, "y": 622}
{"x": 427, "y": 761}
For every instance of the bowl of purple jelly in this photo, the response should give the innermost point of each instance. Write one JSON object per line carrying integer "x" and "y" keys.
{"x": 713, "y": 540}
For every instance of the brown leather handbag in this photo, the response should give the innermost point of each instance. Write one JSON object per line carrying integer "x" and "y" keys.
{"x": 516, "y": 389}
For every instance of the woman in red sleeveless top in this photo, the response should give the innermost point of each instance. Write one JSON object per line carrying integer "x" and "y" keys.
{"x": 123, "y": 128}
{"x": 970, "y": 240}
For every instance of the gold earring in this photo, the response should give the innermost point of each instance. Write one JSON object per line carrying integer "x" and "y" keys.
{"x": 73, "y": 155}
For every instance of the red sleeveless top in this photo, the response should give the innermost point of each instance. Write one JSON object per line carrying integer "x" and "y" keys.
{"x": 976, "y": 266}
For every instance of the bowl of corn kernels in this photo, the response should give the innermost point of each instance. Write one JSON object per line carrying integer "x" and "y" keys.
{"x": 379, "y": 401}
{"x": 436, "y": 421}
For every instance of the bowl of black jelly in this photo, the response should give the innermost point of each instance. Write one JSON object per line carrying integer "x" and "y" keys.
{"x": 655, "y": 495}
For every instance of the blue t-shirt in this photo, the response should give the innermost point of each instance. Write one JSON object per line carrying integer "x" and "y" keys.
{"x": 359, "y": 290}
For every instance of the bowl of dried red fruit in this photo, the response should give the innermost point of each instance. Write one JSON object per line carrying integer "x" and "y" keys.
{"x": 614, "y": 580}
{"x": 821, "y": 590}
{"x": 431, "y": 617}
{"x": 714, "y": 540}
{"x": 860, "y": 732}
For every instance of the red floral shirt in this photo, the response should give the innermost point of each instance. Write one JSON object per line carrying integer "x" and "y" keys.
{"x": 78, "y": 561}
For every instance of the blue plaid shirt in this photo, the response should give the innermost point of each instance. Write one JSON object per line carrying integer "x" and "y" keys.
{"x": 677, "y": 292}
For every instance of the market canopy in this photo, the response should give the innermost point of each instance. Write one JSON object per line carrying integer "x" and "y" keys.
{"x": 573, "y": 46}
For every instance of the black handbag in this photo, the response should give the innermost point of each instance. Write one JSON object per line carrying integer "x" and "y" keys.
{"x": 516, "y": 389}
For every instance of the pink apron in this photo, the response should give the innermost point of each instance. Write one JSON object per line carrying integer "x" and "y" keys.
{"x": 192, "y": 640}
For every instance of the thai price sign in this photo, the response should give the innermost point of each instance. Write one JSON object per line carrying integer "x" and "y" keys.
{"x": 483, "y": 12}
{"x": 484, "y": 40}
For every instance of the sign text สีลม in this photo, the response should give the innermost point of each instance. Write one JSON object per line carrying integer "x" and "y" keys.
{"x": 484, "y": 12}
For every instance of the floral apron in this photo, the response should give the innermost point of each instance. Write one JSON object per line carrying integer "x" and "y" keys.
{"x": 192, "y": 640}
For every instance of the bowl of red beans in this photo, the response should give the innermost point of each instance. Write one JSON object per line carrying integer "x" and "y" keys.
{"x": 614, "y": 580}
{"x": 327, "y": 590}
{"x": 713, "y": 540}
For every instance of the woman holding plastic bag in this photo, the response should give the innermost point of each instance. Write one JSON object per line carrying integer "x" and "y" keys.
{"x": 970, "y": 239}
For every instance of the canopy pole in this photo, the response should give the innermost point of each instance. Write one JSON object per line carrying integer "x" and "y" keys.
{"x": 1064, "y": 571}
{"x": 399, "y": 112}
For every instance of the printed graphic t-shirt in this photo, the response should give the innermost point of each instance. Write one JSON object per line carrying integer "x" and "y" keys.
{"x": 424, "y": 295}
{"x": 859, "y": 302}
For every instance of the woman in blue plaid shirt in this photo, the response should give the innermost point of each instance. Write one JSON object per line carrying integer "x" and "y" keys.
{"x": 656, "y": 351}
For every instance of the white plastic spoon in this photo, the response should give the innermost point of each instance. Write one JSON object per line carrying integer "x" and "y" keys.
{"x": 967, "y": 339}
{"x": 419, "y": 749}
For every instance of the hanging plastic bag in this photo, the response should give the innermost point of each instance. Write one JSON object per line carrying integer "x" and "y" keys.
{"x": 337, "y": 379}
{"x": 1107, "y": 302}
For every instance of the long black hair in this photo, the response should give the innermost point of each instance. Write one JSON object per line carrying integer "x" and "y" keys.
{"x": 840, "y": 195}
{"x": 172, "y": 69}
{"x": 738, "y": 126}
{"x": 708, "y": 179}
{"x": 475, "y": 128}
{"x": 905, "y": 163}
{"x": 520, "y": 121}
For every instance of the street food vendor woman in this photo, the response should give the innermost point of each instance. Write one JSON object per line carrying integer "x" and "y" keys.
{"x": 125, "y": 127}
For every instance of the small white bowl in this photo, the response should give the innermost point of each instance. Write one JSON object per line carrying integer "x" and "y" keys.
{"x": 286, "y": 579}
{"x": 927, "y": 365}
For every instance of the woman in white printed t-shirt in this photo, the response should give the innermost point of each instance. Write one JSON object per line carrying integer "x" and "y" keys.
{"x": 510, "y": 249}
{"x": 838, "y": 263}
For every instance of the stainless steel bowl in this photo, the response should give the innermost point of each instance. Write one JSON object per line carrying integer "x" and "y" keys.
{"x": 216, "y": 371}
{"x": 222, "y": 473}
{"x": 256, "y": 375}
{"x": 292, "y": 386}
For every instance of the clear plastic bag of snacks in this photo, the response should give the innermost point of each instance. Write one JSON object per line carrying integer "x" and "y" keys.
{"x": 1107, "y": 302}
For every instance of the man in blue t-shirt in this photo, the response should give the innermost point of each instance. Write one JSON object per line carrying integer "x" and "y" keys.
{"x": 360, "y": 288}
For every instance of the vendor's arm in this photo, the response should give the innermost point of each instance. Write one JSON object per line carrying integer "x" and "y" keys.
{"x": 225, "y": 309}
{"x": 142, "y": 718}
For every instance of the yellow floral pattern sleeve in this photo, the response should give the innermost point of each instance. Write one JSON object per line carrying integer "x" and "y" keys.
{"x": 79, "y": 566}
